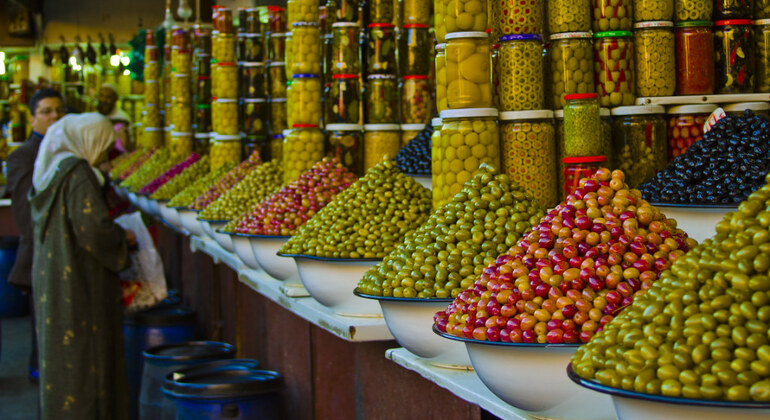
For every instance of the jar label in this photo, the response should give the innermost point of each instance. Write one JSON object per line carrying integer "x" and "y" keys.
{"x": 715, "y": 116}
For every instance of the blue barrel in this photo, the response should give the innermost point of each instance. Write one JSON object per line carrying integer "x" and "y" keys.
{"x": 225, "y": 393}
{"x": 159, "y": 361}
{"x": 12, "y": 302}
{"x": 167, "y": 323}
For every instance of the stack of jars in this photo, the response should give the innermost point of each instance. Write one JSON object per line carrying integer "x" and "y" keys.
{"x": 166, "y": 94}
{"x": 201, "y": 68}
{"x": 414, "y": 50}
{"x": 277, "y": 75}
{"x": 613, "y": 51}
{"x": 181, "y": 141}
{"x": 252, "y": 73}
{"x": 226, "y": 142}
{"x": 654, "y": 47}
{"x": 151, "y": 135}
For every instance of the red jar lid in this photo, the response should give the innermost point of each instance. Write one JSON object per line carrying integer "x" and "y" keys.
{"x": 415, "y": 77}
{"x": 344, "y": 76}
{"x": 580, "y": 96}
{"x": 584, "y": 159}
{"x": 381, "y": 25}
{"x": 227, "y": 64}
{"x": 732, "y": 22}
{"x": 275, "y": 8}
{"x": 204, "y": 77}
{"x": 304, "y": 126}
{"x": 416, "y": 25}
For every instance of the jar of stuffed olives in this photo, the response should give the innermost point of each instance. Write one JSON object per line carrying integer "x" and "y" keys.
{"x": 614, "y": 67}
{"x": 468, "y": 74}
{"x": 653, "y": 10}
{"x": 344, "y": 50}
{"x": 409, "y": 132}
{"x": 302, "y": 148}
{"x": 224, "y": 149}
{"x": 612, "y": 15}
{"x": 201, "y": 143}
{"x": 639, "y": 141}
{"x": 734, "y": 56}
{"x": 224, "y": 116}
{"x": 252, "y": 80}
{"x": 655, "y": 58}
{"x": 415, "y": 100}
{"x": 414, "y": 49}
{"x": 381, "y": 48}
{"x": 253, "y": 113}
{"x": 344, "y": 141}
{"x": 516, "y": 17}
{"x": 762, "y": 54}
{"x": 577, "y": 168}
{"x": 760, "y": 108}
{"x": 380, "y": 141}
{"x": 582, "y": 125}
{"x": 381, "y": 95}
{"x": 572, "y": 65}
{"x": 441, "y": 81}
{"x": 465, "y": 16}
{"x": 568, "y": 16}
{"x": 343, "y": 105}
{"x": 692, "y": 10}
{"x": 694, "y": 58}
{"x": 278, "y": 121}
{"x": 305, "y": 96}
{"x": 521, "y": 61}
{"x": 685, "y": 126}
{"x": 306, "y": 48}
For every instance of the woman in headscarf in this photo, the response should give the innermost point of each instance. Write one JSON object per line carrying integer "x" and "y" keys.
{"x": 78, "y": 251}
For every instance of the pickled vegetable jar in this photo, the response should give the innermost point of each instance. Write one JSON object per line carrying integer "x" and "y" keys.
{"x": 762, "y": 54}
{"x": 277, "y": 79}
{"x": 224, "y": 116}
{"x": 345, "y": 142}
{"x": 415, "y": 100}
{"x": 568, "y": 15}
{"x": 223, "y": 47}
{"x": 151, "y": 91}
{"x": 521, "y": 70}
{"x": 181, "y": 117}
{"x": 614, "y": 68}
{"x": 276, "y": 19}
{"x": 685, "y": 126}
{"x": 345, "y": 10}
{"x": 181, "y": 62}
{"x": 582, "y": 125}
{"x": 694, "y": 58}
{"x": 306, "y": 48}
{"x": 344, "y": 51}
{"x": 606, "y": 136}
{"x": 465, "y": 16}
{"x": 441, "y": 82}
{"x": 761, "y": 9}
{"x": 381, "y": 48}
{"x": 222, "y": 19}
{"x": 151, "y": 138}
{"x": 733, "y": 9}
{"x": 305, "y": 96}
{"x": 655, "y": 58}
{"x": 250, "y": 47}
{"x": 468, "y": 72}
{"x": 517, "y": 16}
{"x": 289, "y": 57}
{"x": 203, "y": 118}
{"x": 759, "y": 108}
{"x": 577, "y": 168}
{"x": 223, "y": 150}
{"x": 414, "y": 50}
{"x": 343, "y": 104}
{"x": 302, "y": 11}
{"x": 253, "y": 112}
{"x": 439, "y": 21}
{"x": 181, "y": 144}
{"x": 693, "y": 10}
{"x": 528, "y": 150}
{"x": 249, "y": 20}
{"x": 276, "y": 147}
{"x": 278, "y": 115}
{"x": 380, "y": 11}
{"x": 495, "y": 60}
{"x": 201, "y": 41}
{"x": 653, "y": 10}
{"x": 201, "y": 143}
{"x": 572, "y": 65}
{"x": 202, "y": 90}
{"x": 612, "y": 15}
{"x": 380, "y": 141}
{"x": 302, "y": 148}
{"x": 276, "y": 50}
{"x": 381, "y": 99}
{"x": 416, "y": 12}
{"x": 469, "y": 137}
{"x": 409, "y": 132}
{"x": 225, "y": 80}
{"x": 180, "y": 89}
{"x": 252, "y": 80}
{"x": 734, "y": 56}
{"x": 639, "y": 141}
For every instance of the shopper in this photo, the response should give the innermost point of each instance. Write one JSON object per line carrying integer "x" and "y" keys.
{"x": 121, "y": 122}
{"x": 46, "y": 107}
{"x": 78, "y": 250}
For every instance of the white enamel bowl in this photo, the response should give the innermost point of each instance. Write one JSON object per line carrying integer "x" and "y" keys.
{"x": 211, "y": 228}
{"x": 190, "y": 222}
{"x": 170, "y": 214}
{"x": 265, "y": 250}
{"x": 424, "y": 180}
{"x": 242, "y": 247}
{"x": 698, "y": 221}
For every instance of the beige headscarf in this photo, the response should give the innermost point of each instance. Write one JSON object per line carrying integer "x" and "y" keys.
{"x": 84, "y": 136}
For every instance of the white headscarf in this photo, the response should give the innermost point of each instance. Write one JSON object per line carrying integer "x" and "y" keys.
{"x": 84, "y": 136}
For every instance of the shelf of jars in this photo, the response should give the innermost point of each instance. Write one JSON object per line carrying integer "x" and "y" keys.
{"x": 704, "y": 99}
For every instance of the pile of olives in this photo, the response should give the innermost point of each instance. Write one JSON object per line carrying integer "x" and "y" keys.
{"x": 449, "y": 251}
{"x": 155, "y": 166}
{"x": 296, "y": 203}
{"x": 169, "y": 175}
{"x": 259, "y": 184}
{"x": 585, "y": 261}
{"x": 727, "y": 165}
{"x": 414, "y": 158}
{"x": 132, "y": 167}
{"x": 226, "y": 182}
{"x": 190, "y": 174}
{"x": 701, "y": 331}
{"x": 202, "y": 184}
{"x": 367, "y": 220}
{"x": 124, "y": 161}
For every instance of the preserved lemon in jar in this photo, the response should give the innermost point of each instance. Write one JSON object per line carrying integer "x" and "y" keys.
{"x": 224, "y": 116}
{"x": 415, "y": 100}
{"x": 344, "y": 142}
{"x": 306, "y": 48}
{"x": 223, "y": 47}
{"x": 441, "y": 81}
{"x": 380, "y": 141}
{"x": 224, "y": 149}
{"x": 253, "y": 113}
{"x": 225, "y": 81}
{"x": 381, "y": 48}
{"x": 468, "y": 74}
{"x": 465, "y": 15}
{"x": 303, "y": 146}
{"x": 521, "y": 62}
{"x": 568, "y": 15}
{"x": 305, "y": 97}
{"x": 343, "y": 104}
{"x": 614, "y": 68}
{"x": 572, "y": 65}
{"x": 439, "y": 20}
{"x": 655, "y": 59}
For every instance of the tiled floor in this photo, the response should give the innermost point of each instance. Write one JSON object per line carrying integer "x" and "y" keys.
{"x": 18, "y": 396}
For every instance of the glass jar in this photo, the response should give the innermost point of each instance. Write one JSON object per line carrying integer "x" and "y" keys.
{"x": 276, "y": 19}
{"x": 343, "y": 105}
{"x": 465, "y": 16}
{"x": 409, "y": 132}
{"x": 694, "y": 58}
{"x": 614, "y": 68}
{"x": 381, "y": 48}
{"x": 305, "y": 96}
{"x": 224, "y": 150}
{"x": 344, "y": 141}
{"x": 416, "y": 12}
{"x": 202, "y": 90}
{"x": 761, "y": 9}
{"x": 415, "y": 100}
{"x": 151, "y": 91}
{"x": 441, "y": 81}
{"x": 612, "y": 15}
{"x": 223, "y": 47}
{"x": 380, "y": 11}
{"x": 733, "y": 9}
{"x": 253, "y": 112}
{"x": 468, "y": 71}
{"x": 181, "y": 117}
{"x": 276, "y": 147}
{"x": 606, "y": 136}
{"x": 181, "y": 144}
{"x": 469, "y": 137}
{"x": 327, "y": 57}
{"x": 152, "y": 137}
{"x": 201, "y": 41}
{"x": 381, "y": 95}
{"x": 577, "y": 168}
{"x": 639, "y": 141}
{"x": 568, "y": 16}
{"x": 203, "y": 118}
{"x": 655, "y": 58}
{"x": 306, "y": 48}
{"x": 151, "y": 54}
{"x": 572, "y": 65}
{"x": 225, "y": 80}
{"x": 289, "y": 58}
{"x": 582, "y": 125}
{"x": 380, "y": 141}
{"x": 224, "y": 116}
{"x": 277, "y": 79}
{"x": 734, "y": 56}
{"x": 517, "y": 17}
{"x": 252, "y": 80}
{"x": 528, "y": 150}
{"x": 693, "y": 10}
{"x": 222, "y": 19}
{"x": 495, "y": 59}
{"x": 278, "y": 115}
{"x": 521, "y": 61}
{"x": 201, "y": 143}
{"x": 180, "y": 89}
{"x": 439, "y": 21}
{"x": 759, "y": 108}
{"x": 414, "y": 50}
{"x": 250, "y": 47}
{"x": 202, "y": 65}
{"x": 251, "y": 23}
{"x": 685, "y": 126}
{"x": 302, "y": 147}
{"x": 653, "y": 10}
{"x": 302, "y": 11}
{"x": 276, "y": 50}
{"x": 345, "y": 10}
{"x": 344, "y": 51}
{"x": 762, "y": 54}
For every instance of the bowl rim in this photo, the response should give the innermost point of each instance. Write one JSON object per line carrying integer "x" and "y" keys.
{"x": 162, "y": 201}
{"x": 212, "y": 221}
{"x": 255, "y": 236}
{"x": 143, "y": 194}
{"x": 618, "y": 392}
{"x": 398, "y": 299}
{"x": 694, "y": 206}
{"x": 418, "y": 175}
{"x": 179, "y": 208}
{"x": 502, "y": 344}
{"x": 313, "y": 257}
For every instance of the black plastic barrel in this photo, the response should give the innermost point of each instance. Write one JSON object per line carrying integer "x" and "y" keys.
{"x": 12, "y": 302}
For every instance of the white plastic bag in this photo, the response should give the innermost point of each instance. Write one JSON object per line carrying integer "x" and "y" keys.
{"x": 143, "y": 283}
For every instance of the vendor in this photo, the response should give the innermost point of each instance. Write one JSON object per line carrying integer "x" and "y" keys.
{"x": 121, "y": 122}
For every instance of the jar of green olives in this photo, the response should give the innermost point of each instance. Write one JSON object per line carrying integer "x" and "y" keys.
{"x": 289, "y": 56}
{"x": 224, "y": 116}
{"x": 276, "y": 50}
{"x": 306, "y": 48}
{"x": 737, "y": 109}
{"x": 344, "y": 142}
{"x": 344, "y": 51}
{"x": 468, "y": 73}
{"x": 653, "y": 10}
{"x": 414, "y": 49}
{"x": 225, "y": 80}
{"x": 469, "y": 137}
{"x": 568, "y": 16}
{"x": 409, "y": 132}
{"x": 582, "y": 125}
{"x": 416, "y": 12}
{"x": 639, "y": 141}
{"x": 521, "y": 61}
{"x": 224, "y": 149}
{"x": 201, "y": 143}
{"x": 151, "y": 138}
{"x": 655, "y": 58}
{"x": 302, "y": 148}
{"x": 441, "y": 82}
{"x": 734, "y": 56}
{"x": 415, "y": 99}
{"x": 762, "y": 54}
{"x": 252, "y": 80}
{"x": 302, "y": 11}
{"x": 465, "y": 16}
{"x": 343, "y": 105}
{"x": 276, "y": 75}
{"x": 203, "y": 118}
{"x": 223, "y": 48}
{"x": 253, "y": 113}
{"x": 381, "y": 95}
{"x": 250, "y": 47}
{"x": 517, "y": 17}
{"x": 181, "y": 117}
{"x": 572, "y": 65}
{"x": 612, "y": 15}
{"x": 276, "y": 147}
{"x": 381, "y": 48}
{"x": 380, "y": 141}
{"x": 439, "y": 21}
{"x": 181, "y": 144}
{"x": 381, "y": 11}
{"x": 614, "y": 67}
{"x": 577, "y": 168}
{"x": 692, "y": 10}
{"x": 528, "y": 149}
{"x": 278, "y": 121}
{"x": 305, "y": 96}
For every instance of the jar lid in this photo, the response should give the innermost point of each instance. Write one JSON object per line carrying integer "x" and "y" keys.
{"x": 603, "y": 112}
{"x": 153, "y": 129}
{"x": 254, "y": 100}
{"x": 519, "y": 37}
{"x": 150, "y": 80}
{"x": 573, "y": 96}
{"x": 278, "y": 34}
{"x": 305, "y": 24}
{"x": 441, "y": 46}
{"x": 224, "y": 100}
{"x": 202, "y": 78}
{"x": 436, "y": 122}
{"x": 584, "y": 159}
{"x": 274, "y": 9}
{"x": 180, "y": 134}
{"x": 251, "y": 64}
{"x": 203, "y": 106}
{"x": 381, "y": 127}
{"x": 457, "y": 35}
{"x": 280, "y": 100}
{"x": 468, "y": 112}
{"x": 343, "y": 127}
{"x": 571, "y": 35}
{"x": 733, "y": 22}
{"x": 181, "y": 75}
{"x": 344, "y": 24}
{"x": 416, "y": 25}
{"x": 762, "y": 22}
{"x": 742, "y": 106}
{"x": 559, "y": 114}
{"x": 305, "y": 76}
{"x": 638, "y": 110}
{"x": 286, "y": 132}
{"x": 278, "y": 136}
{"x": 381, "y": 76}
{"x": 380, "y": 25}
{"x": 413, "y": 127}
{"x": 202, "y": 135}
{"x": 227, "y": 137}
{"x": 654, "y": 24}
{"x": 304, "y": 126}
{"x": 226, "y": 64}
{"x": 526, "y": 115}
{"x": 169, "y": 128}
{"x": 249, "y": 35}
{"x": 613, "y": 34}
{"x": 415, "y": 77}
{"x": 344, "y": 76}
{"x": 495, "y": 47}
{"x": 693, "y": 23}
{"x": 277, "y": 64}
{"x": 692, "y": 109}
